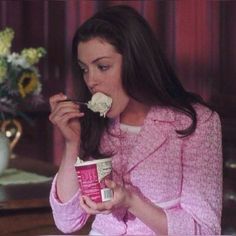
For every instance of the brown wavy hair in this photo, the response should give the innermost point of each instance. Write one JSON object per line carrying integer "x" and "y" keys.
{"x": 146, "y": 74}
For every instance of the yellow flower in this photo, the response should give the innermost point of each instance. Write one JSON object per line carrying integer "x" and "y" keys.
{"x": 28, "y": 83}
{"x": 32, "y": 55}
{"x": 6, "y": 37}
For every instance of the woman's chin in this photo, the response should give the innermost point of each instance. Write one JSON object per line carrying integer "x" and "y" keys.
{"x": 111, "y": 114}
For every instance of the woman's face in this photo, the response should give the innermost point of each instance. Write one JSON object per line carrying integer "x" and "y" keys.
{"x": 101, "y": 65}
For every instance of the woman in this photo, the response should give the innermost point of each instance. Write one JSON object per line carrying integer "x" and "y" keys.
{"x": 165, "y": 142}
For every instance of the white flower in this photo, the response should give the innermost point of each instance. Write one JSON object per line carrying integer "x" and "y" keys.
{"x": 17, "y": 60}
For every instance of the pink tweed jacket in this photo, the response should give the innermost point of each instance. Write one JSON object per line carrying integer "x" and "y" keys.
{"x": 181, "y": 175}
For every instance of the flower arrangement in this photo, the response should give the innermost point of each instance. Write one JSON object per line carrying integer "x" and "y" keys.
{"x": 19, "y": 77}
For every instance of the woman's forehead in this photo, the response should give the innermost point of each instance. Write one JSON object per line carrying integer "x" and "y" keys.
{"x": 95, "y": 48}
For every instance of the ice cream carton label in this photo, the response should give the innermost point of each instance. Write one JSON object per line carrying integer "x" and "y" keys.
{"x": 91, "y": 179}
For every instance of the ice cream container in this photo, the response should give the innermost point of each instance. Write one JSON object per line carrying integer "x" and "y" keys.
{"x": 91, "y": 176}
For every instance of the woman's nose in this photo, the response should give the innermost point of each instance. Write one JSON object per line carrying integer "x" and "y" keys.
{"x": 91, "y": 80}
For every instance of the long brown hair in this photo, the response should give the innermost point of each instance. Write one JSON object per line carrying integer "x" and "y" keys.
{"x": 146, "y": 74}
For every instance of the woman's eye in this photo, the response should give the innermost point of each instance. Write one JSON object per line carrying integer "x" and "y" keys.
{"x": 103, "y": 67}
{"x": 84, "y": 70}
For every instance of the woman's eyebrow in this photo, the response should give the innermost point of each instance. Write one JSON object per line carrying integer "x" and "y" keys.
{"x": 99, "y": 58}
{"x": 95, "y": 60}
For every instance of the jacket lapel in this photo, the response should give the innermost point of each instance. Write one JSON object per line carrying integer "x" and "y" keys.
{"x": 111, "y": 143}
{"x": 152, "y": 136}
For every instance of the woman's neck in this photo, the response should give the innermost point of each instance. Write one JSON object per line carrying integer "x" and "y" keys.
{"x": 134, "y": 114}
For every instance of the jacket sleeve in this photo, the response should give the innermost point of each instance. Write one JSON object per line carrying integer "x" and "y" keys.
{"x": 69, "y": 216}
{"x": 199, "y": 212}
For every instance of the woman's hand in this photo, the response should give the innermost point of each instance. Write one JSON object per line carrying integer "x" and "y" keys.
{"x": 121, "y": 198}
{"x": 65, "y": 115}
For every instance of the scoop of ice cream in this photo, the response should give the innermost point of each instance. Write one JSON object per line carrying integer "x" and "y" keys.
{"x": 100, "y": 103}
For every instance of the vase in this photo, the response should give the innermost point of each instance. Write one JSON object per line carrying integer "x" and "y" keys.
{"x": 13, "y": 131}
{"x": 4, "y": 152}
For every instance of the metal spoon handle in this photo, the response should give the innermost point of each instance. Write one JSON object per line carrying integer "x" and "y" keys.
{"x": 75, "y": 101}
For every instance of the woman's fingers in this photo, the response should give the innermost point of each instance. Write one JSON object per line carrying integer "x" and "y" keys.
{"x": 55, "y": 99}
{"x": 90, "y": 203}
{"x": 62, "y": 107}
{"x": 86, "y": 207}
{"x": 64, "y": 119}
{"x": 65, "y": 115}
{"x": 92, "y": 207}
{"x": 105, "y": 206}
{"x": 110, "y": 184}
{"x": 61, "y": 112}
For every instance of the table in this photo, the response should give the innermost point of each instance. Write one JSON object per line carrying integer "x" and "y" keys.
{"x": 24, "y": 208}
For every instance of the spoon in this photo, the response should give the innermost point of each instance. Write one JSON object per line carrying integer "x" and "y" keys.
{"x": 75, "y": 101}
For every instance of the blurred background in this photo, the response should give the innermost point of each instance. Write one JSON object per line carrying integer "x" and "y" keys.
{"x": 198, "y": 37}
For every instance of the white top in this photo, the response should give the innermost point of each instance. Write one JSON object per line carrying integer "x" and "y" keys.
{"x": 130, "y": 128}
